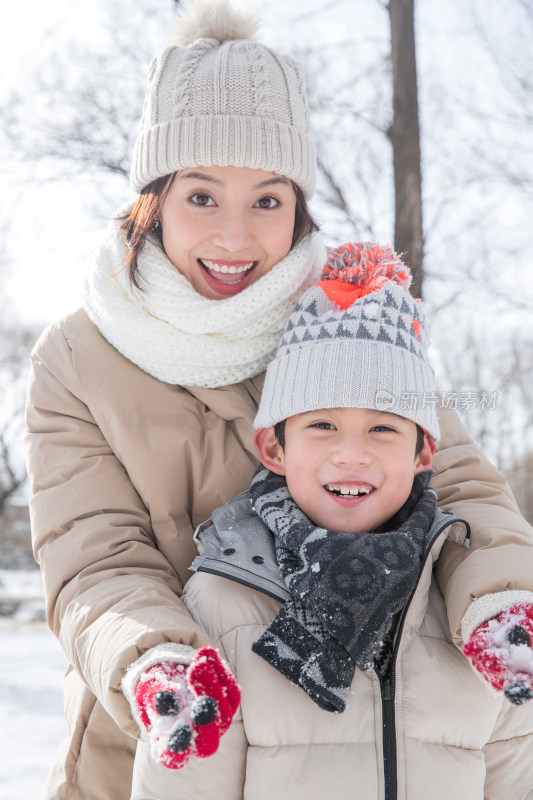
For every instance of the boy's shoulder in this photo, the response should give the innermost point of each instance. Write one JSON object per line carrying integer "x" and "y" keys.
{"x": 457, "y": 529}
{"x": 228, "y": 608}
{"x": 236, "y": 544}
{"x": 236, "y": 582}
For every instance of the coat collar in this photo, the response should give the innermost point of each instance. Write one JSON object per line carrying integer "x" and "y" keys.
{"x": 236, "y": 544}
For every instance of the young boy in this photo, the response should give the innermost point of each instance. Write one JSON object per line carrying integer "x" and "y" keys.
{"x": 317, "y": 585}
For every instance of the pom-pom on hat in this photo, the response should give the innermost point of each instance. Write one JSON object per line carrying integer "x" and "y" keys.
{"x": 354, "y": 340}
{"x": 217, "y": 97}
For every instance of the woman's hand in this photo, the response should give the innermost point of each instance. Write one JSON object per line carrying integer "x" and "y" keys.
{"x": 185, "y": 710}
{"x": 501, "y": 650}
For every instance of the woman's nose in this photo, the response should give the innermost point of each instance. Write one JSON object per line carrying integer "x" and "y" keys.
{"x": 233, "y": 232}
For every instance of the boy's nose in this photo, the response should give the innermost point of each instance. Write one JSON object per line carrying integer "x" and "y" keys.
{"x": 233, "y": 233}
{"x": 353, "y": 454}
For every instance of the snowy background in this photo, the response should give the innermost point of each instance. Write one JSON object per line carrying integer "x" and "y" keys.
{"x": 30, "y": 708}
{"x": 31, "y": 705}
{"x": 66, "y": 65}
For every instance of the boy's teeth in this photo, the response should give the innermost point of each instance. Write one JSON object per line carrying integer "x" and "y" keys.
{"x": 232, "y": 270}
{"x": 352, "y": 491}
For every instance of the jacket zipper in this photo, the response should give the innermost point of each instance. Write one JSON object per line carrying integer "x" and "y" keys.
{"x": 388, "y": 687}
{"x": 389, "y": 734}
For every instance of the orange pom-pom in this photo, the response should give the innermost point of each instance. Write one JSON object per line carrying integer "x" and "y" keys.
{"x": 366, "y": 264}
{"x": 354, "y": 270}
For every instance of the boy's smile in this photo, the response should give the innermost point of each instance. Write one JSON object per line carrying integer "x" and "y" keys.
{"x": 349, "y": 469}
{"x": 349, "y": 492}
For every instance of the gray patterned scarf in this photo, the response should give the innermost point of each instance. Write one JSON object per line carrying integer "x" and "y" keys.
{"x": 346, "y": 589}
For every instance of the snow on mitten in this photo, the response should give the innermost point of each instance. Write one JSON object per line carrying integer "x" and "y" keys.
{"x": 185, "y": 710}
{"x": 501, "y": 651}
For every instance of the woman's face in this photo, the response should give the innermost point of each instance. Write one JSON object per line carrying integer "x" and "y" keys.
{"x": 225, "y": 227}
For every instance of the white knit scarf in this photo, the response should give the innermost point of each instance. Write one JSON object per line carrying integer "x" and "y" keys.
{"x": 180, "y": 337}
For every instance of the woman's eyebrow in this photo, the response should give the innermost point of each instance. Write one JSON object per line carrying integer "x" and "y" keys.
{"x": 199, "y": 176}
{"x": 272, "y": 182}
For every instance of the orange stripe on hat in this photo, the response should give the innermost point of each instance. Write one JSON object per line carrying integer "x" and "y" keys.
{"x": 343, "y": 294}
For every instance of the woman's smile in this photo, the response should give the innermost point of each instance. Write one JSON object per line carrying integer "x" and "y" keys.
{"x": 227, "y": 277}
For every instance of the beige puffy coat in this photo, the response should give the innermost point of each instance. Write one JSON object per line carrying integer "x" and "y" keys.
{"x": 452, "y": 736}
{"x": 123, "y": 468}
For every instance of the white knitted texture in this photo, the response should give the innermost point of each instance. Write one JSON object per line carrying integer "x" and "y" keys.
{"x": 174, "y": 653}
{"x": 235, "y": 103}
{"x": 180, "y": 337}
{"x": 168, "y": 651}
{"x": 489, "y": 606}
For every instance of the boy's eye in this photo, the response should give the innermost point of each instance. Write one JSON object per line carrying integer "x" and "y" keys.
{"x": 381, "y": 428}
{"x": 268, "y": 202}
{"x": 201, "y": 199}
{"x": 326, "y": 426}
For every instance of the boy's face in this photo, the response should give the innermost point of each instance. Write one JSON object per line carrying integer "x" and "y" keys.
{"x": 349, "y": 469}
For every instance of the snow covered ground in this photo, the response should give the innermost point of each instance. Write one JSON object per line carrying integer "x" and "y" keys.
{"x": 31, "y": 676}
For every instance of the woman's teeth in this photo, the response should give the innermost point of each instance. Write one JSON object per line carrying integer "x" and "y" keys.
{"x": 349, "y": 491}
{"x": 227, "y": 269}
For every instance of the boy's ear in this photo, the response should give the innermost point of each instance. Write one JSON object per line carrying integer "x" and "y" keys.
{"x": 424, "y": 459}
{"x": 270, "y": 451}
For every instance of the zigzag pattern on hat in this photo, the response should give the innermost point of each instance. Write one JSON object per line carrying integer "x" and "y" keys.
{"x": 388, "y": 315}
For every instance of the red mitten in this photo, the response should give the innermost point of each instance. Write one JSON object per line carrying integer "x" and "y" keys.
{"x": 185, "y": 710}
{"x": 500, "y": 649}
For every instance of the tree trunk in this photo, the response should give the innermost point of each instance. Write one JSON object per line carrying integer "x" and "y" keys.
{"x": 9, "y": 482}
{"x": 404, "y": 135}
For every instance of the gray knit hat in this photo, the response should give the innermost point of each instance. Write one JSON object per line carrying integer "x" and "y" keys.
{"x": 354, "y": 340}
{"x": 218, "y": 98}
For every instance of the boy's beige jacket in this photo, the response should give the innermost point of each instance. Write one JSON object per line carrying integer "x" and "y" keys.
{"x": 123, "y": 468}
{"x": 455, "y": 738}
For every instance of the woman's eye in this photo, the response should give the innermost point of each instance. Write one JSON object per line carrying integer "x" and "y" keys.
{"x": 200, "y": 199}
{"x": 267, "y": 202}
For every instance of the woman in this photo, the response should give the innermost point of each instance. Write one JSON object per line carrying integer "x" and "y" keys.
{"x": 141, "y": 404}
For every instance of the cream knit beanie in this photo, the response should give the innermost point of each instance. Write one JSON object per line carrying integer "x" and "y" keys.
{"x": 218, "y": 98}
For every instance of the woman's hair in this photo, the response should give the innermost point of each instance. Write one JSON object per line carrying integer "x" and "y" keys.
{"x": 141, "y": 221}
{"x": 144, "y": 216}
